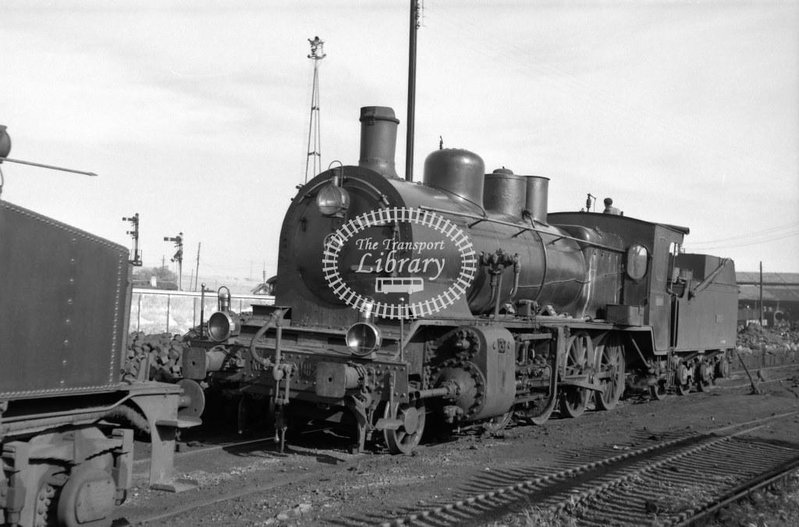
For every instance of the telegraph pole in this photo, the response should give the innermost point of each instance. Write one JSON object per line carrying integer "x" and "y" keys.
{"x": 760, "y": 301}
{"x": 414, "y": 25}
{"x": 314, "y": 133}
{"x": 197, "y": 270}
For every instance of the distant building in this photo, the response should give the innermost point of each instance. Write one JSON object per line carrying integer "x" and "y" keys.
{"x": 780, "y": 297}
{"x": 265, "y": 288}
{"x": 153, "y": 283}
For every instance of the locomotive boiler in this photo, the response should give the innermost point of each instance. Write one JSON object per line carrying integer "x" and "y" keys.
{"x": 462, "y": 297}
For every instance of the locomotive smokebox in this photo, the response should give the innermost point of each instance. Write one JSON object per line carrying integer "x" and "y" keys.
{"x": 456, "y": 171}
{"x": 378, "y": 139}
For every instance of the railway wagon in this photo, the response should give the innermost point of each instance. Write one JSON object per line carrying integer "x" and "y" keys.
{"x": 67, "y": 416}
{"x": 462, "y": 298}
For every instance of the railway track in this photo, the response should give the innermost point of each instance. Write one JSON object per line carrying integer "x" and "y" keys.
{"x": 759, "y": 376}
{"x": 566, "y": 488}
{"x": 674, "y": 482}
{"x": 261, "y": 449}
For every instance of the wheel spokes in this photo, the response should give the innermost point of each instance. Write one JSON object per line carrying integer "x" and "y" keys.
{"x": 574, "y": 400}
{"x": 612, "y": 371}
{"x": 405, "y": 438}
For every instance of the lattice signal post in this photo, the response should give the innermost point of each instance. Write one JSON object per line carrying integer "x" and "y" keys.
{"x": 314, "y": 160}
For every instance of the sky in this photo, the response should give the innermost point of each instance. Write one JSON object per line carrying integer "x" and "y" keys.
{"x": 195, "y": 113}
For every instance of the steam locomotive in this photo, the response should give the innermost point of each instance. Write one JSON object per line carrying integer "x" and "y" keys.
{"x": 462, "y": 298}
{"x": 67, "y": 416}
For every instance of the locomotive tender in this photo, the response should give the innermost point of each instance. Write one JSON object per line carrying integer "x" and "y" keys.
{"x": 65, "y": 410}
{"x": 462, "y": 298}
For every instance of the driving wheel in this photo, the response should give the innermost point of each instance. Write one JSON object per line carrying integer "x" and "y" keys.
{"x": 573, "y": 399}
{"x": 611, "y": 367}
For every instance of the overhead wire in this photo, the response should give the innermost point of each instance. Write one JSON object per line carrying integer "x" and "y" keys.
{"x": 743, "y": 244}
{"x": 747, "y": 239}
{"x": 766, "y": 231}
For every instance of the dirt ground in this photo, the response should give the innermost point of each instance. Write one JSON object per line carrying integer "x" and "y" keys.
{"x": 308, "y": 485}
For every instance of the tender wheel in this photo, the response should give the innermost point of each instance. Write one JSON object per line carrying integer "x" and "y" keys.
{"x": 611, "y": 368}
{"x": 682, "y": 379}
{"x": 405, "y": 438}
{"x": 658, "y": 391}
{"x": 87, "y": 499}
{"x": 46, "y": 502}
{"x": 722, "y": 368}
{"x": 498, "y": 423}
{"x": 704, "y": 377}
{"x": 581, "y": 350}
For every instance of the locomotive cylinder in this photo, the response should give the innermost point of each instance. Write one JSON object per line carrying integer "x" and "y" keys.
{"x": 484, "y": 372}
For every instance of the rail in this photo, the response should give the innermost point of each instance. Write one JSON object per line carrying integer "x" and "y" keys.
{"x": 703, "y": 472}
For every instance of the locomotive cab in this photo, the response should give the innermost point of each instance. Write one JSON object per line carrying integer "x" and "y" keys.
{"x": 679, "y": 309}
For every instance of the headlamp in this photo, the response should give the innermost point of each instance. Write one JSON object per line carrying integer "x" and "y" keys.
{"x": 221, "y": 326}
{"x": 333, "y": 200}
{"x": 363, "y": 338}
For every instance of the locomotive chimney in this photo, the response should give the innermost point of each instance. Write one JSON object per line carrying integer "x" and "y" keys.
{"x": 378, "y": 139}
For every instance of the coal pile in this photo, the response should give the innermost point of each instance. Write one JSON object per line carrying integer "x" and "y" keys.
{"x": 754, "y": 337}
{"x": 155, "y": 357}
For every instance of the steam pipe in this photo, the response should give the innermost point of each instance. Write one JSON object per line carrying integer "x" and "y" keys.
{"x": 495, "y": 289}
{"x": 279, "y": 369}
{"x": 517, "y": 271}
{"x": 263, "y": 361}
{"x": 497, "y": 297}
